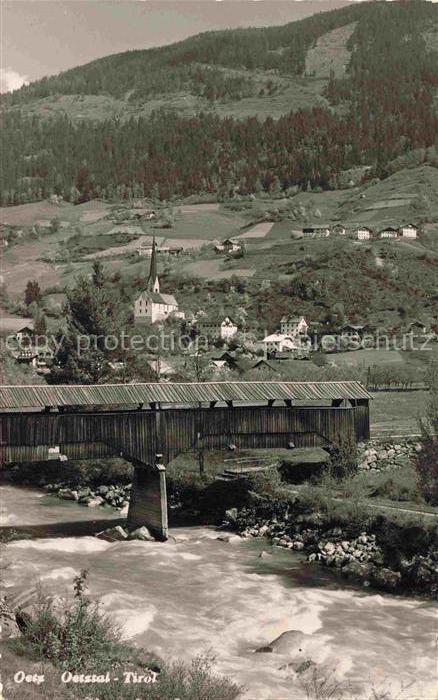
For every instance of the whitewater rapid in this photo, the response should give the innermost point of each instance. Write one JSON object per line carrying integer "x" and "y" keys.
{"x": 196, "y": 594}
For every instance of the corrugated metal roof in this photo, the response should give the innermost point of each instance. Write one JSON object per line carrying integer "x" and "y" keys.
{"x": 182, "y": 393}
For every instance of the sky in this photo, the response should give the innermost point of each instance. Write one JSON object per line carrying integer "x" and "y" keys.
{"x": 43, "y": 37}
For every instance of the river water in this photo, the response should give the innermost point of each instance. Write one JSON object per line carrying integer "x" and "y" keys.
{"x": 196, "y": 594}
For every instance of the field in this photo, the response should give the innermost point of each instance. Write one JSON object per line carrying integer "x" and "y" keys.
{"x": 274, "y": 251}
{"x": 258, "y": 231}
{"x": 23, "y": 262}
{"x": 366, "y": 358}
{"x": 400, "y": 198}
{"x": 211, "y": 269}
{"x": 396, "y": 413}
{"x": 208, "y": 225}
{"x": 11, "y": 324}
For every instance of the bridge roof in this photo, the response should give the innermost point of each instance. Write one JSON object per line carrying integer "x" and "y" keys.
{"x": 16, "y": 397}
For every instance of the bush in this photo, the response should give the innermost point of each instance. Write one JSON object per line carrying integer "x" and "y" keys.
{"x": 403, "y": 485}
{"x": 427, "y": 460}
{"x": 79, "y": 636}
{"x": 400, "y": 540}
{"x": 185, "y": 486}
{"x": 343, "y": 458}
{"x": 76, "y": 473}
{"x": 81, "y": 639}
{"x": 427, "y": 469}
{"x": 267, "y": 483}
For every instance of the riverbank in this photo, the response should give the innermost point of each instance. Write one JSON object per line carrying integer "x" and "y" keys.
{"x": 376, "y": 552}
{"x": 332, "y": 522}
{"x": 209, "y": 591}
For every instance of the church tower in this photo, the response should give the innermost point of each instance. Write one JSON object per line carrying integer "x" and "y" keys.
{"x": 153, "y": 284}
{"x": 152, "y": 305}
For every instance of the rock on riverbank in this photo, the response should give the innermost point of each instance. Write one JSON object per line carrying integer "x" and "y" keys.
{"x": 116, "y": 496}
{"x": 361, "y": 557}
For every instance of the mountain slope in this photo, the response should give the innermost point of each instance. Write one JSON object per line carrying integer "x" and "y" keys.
{"x": 376, "y": 105}
{"x": 197, "y": 63}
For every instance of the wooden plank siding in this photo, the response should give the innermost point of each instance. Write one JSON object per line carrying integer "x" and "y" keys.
{"x": 139, "y": 435}
{"x": 362, "y": 422}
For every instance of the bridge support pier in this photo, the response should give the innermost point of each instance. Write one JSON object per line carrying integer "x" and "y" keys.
{"x": 148, "y": 502}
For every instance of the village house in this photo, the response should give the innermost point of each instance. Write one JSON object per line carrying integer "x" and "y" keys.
{"x": 339, "y": 229}
{"x": 266, "y": 366}
{"x": 408, "y": 231}
{"x": 279, "y": 342}
{"x": 223, "y": 361}
{"x": 215, "y": 330}
{"x": 417, "y": 327}
{"x": 362, "y": 233}
{"x": 316, "y": 231}
{"x": 25, "y": 355}
{"x": 152, "y": 306}
{"x": 25, "y": 335}
{"x": 294, "y": 326}
{"x": 352, "y": 330}
{"x": 388, "y": 233}
{"x": 292, "y": 337}
{"x": 145, "y": 250}
{"x": 43, "y": 360}
{"x": 230, "y": 245}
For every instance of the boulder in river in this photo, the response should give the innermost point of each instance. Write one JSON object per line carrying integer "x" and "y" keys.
{"x": 290, "y": 641}
{"x": 94, "y": 502}
{"x": 113, "y": 534}
{"x": 265, "y": 555}
{"x": 68, "y": 494}
{"x": 141, "y": 533}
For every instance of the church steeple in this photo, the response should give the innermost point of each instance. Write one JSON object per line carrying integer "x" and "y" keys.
{"x": 153, "y": 284}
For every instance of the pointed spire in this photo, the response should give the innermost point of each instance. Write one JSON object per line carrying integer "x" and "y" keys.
{"x": 153, "y": 284}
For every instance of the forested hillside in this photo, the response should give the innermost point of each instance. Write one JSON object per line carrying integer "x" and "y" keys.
{"x": 382, "y": 107}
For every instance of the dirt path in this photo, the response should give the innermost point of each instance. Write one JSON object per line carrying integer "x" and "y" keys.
{"x": 367, "y": 503}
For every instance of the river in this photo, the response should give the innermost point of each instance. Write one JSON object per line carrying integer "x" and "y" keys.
{"x": 197, "y": 594}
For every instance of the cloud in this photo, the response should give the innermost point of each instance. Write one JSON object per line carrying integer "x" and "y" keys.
{"x": 11, "y": 80}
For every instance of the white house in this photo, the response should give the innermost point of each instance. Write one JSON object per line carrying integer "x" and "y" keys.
{"x": 389, "y": 232}
{"x": 216, "y": 330}
{"x": 363, "y": 233}
{"x": 316, "y": 231}
{"x": 152, "y": 305}
{"x": 408, "y": 231}
{"x": 145, "y": 250}
{"x": 279, "y": 342}
{"x": 293, "y": 326}
{"x": 230, "y": 245}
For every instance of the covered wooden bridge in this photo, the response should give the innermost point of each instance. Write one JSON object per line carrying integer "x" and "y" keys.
{"x": 150, "y": 424}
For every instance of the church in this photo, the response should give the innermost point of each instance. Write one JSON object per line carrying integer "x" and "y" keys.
{"x": 152, "y": 306}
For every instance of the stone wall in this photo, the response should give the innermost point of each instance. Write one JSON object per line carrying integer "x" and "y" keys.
{"x": 379, "y": 456}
